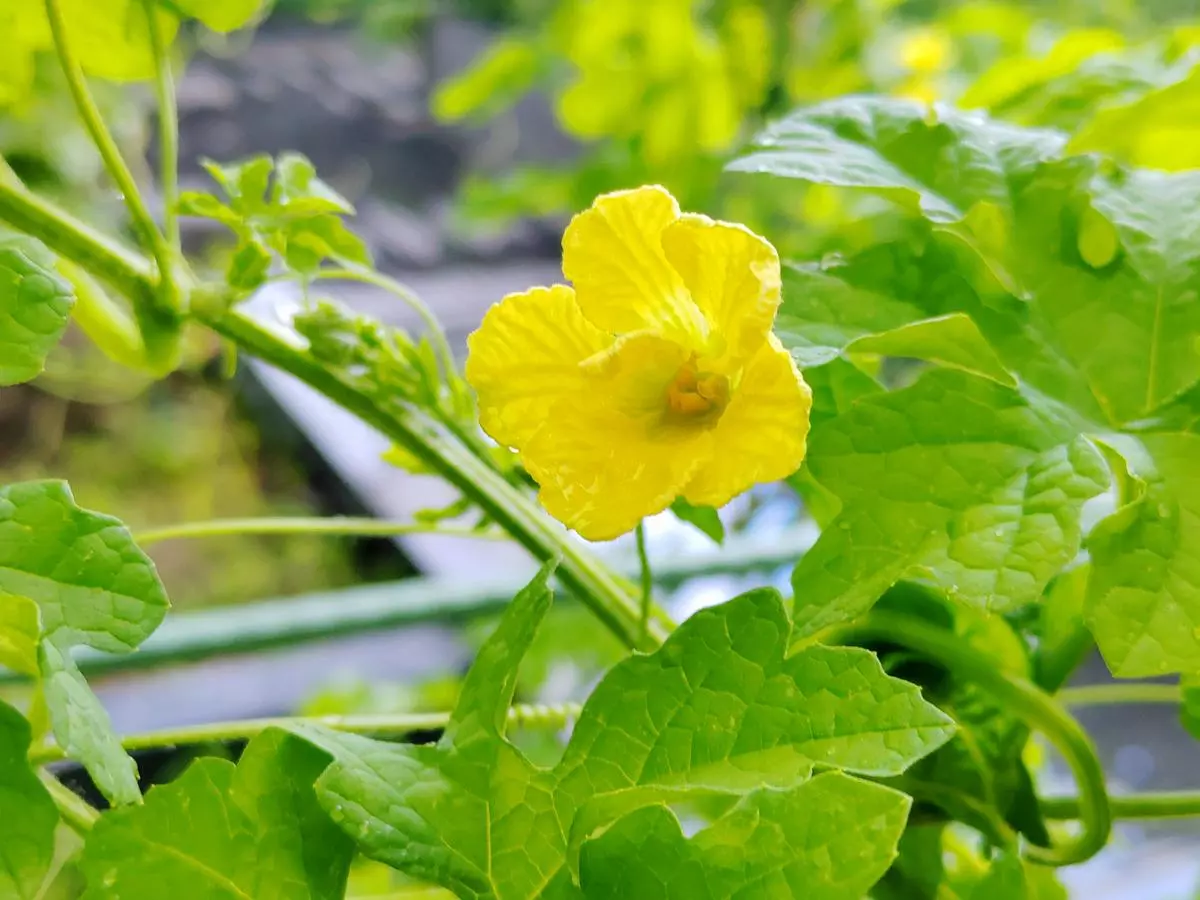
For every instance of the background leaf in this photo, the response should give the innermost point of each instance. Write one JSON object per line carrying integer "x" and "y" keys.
{"x": 1143, "y": 595}
{"x": 90, "y": 580}
{"x": 717, "y": 709}
{"x": 83, "y": 729}
{"x": 994, "y": 525}
{"x": 250, "y": 831}
{"x": 20, "y": 632}
{"x": 28, "y": 816}
{"x": 829, "y": 839}
{"x": 704, "y": 518}
{"x": 35, "y": 306}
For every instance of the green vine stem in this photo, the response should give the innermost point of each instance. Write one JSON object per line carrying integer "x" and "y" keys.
{"x": 1119, "y": 694}
{"x": 114, "y": 162}
{"x": 168, "y": 132}
{"x": 1168, "y": 805}
{"x": 604, "y": 592}
{"x": 333, "y": 525}
{"x": 75, "y": 812}
{"x": 410, "y": 298}
{"x": 647, "y": 577}
{"x": 1037, "y": 708}
{"x": 394, "y": 727}
{"x": 72, "y": 239}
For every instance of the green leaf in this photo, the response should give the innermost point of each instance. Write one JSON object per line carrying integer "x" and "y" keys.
{"x": 313, "y": 240}
{"x": 206, "y": 206}
{"x": 956, "y": 479}
{"x": 250, "y": 831}
{"x": 20, "y": 630}
{"x": 941, "y": 161}
{"x": 220, "y": 15}
{"x": 90, "y": 580}
{"x": 952, "y": 340}
{"x": 1143, "y": 596}
{"x": 245, "y": 182}
{"x": 829, "y": 839}
{"x": 704, "y": 518}
{"x": 300, "y": 192}
{"x": 28, "y": 816}
{"x": 82, "y": 727}
{"x": 717, "y": 709}
{"x": 1157, "y": 130}
{"x": 249, "y": 266}
{"x": 492, "y": 83}
{"x": 1108, "y": 260}
{"x": 35, "y": 306}
{"x": 1131, "y": 327}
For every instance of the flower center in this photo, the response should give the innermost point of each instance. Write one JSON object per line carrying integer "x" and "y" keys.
{"x": 696, "y": 396}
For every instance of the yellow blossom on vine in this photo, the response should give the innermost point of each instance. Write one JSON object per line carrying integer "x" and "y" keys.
{"x": 655, "y": 376}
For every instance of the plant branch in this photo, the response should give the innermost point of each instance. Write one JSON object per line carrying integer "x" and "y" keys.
{"x": 393, "y": 727}
{"x": 168, "y": 131}
{"x": 1167, "y": 805}
{"x": 507, "y": 506}
{"x": 73, "y": 809}
{"x": 410, "y": 299}
{"x": 333, "y": 525}
{"x": 76, "y": 241}
{"x": 114, "y": 162}
{"x": 1033, "y": 705}
{"x": 1119, "y": 694}
{"x": 647, "y": 577}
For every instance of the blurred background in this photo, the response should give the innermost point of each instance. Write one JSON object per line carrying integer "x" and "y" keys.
{"x": 466, "y": 133}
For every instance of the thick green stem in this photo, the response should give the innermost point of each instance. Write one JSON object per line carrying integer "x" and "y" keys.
{"x": 1119, "y": 694}
{"x": 380, "y": 726}
{"x": 508, "y": 507}
{"x": 333, "y": 525}
{"x": 1036, "y": 707}
{"x": 114, "y": 162}
{"x": 72, "y": 239}
{"x": 73, "y": 809}
{"x": 168, "y": 131}
{"x": 1169, "y": 805}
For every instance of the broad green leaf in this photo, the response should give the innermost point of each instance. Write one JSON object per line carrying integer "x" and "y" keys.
{"x": 956, "y": 479}
{"x": 824, "y": 314}
{"x": 35, "y": 306}
{"x": 250, "y": 832}
{"x": 1143, "y": 597}
{"x": 20, "y": 631}
{"x": 82, "y": 727}
{"x": 717, "y": 709}
{"x": 245, "y": 182}
{"x": 1131, "y": 326}
{"x": 829, "y": 839}
{"x": 1107, "y": 263}
{"x": 90, "y": 580}
{"x": 941, "y": 161}
{"x": 1158, "y": 130}
{"x": 952, "y": 340}
{"x": 836, "y": 386}
{"x": 705, "y": 518}
{"x": 27, "y": 814}
{"x": 249, "y": 266}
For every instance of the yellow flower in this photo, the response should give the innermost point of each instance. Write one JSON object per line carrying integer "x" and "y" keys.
{"x": 656, "y": 376}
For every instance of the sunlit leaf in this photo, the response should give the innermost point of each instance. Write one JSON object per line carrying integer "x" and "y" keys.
{"x": 35, "y": 306}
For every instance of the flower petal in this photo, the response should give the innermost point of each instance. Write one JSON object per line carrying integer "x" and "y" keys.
{"x": 525, "y": 357}
{"x": 733, "y": 276}
{"x": 606, "y": 458}
{"x": 613, "y": 255}
{"x": 601, "y": 473}
{"x": 761, "y": 436}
